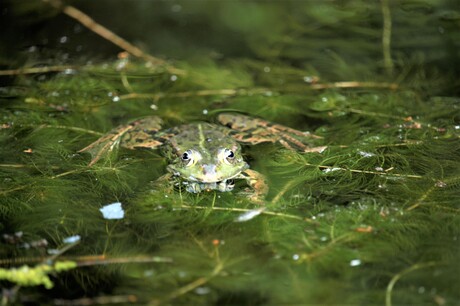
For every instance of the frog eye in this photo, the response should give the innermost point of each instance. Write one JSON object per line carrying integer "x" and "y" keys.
{"x": 227, "y": 156}
{"x": 229, "y": 153}
{"x": 187, "y": 157}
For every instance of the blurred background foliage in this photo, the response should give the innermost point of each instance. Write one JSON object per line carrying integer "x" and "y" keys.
{"x": 373, "y": 219}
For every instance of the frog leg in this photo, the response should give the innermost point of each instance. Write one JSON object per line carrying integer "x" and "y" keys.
{"x": 136, "y": 134}
{"x": 257, "y": 183}
{"x": 254, "y": 131}
{"x": 164, "y": 183}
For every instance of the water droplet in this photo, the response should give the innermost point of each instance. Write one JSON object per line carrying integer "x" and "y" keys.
{"x": 70, "y": 71}
{"x": 63, "y": 39}
{"x": 202, "y": 290}
{"x": 365, "y": 154}
{"x": 148, "y": 273}
{"x": 176, "y": 8}
{"x": 355, "y": 262}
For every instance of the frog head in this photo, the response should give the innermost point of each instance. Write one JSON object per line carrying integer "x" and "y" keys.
{"x": 211, "y": 160}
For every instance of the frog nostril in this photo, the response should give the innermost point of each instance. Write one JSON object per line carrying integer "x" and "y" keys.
{"x": 209, "y": 169}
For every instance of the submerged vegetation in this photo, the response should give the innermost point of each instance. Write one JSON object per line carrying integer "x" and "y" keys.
{"x": 374, "y": 218}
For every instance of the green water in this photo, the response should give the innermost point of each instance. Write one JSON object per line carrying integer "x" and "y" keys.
{"x": 373, "y": 219}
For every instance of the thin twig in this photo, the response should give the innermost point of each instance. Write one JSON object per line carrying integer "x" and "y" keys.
{"x": 436, "y": 185}
{"x": 197, "y": 93}
{"x": 333, "y": 168}
{"x": 386, "y": 36}
{"x": 3, "y": 192}
{"x": 36, "y": 70}
{"x": 283, "y": 191}
{"x": 104, "y": 32}
{"x": 89, "y": 260}
{"x": 236, "y": 209}
{"x": 70, "y": 128}
{"x": 190, "y": 286}
{"x": 355, "y": 84}
{"x": 100, "y": 300}
{"x": 395, "y": 278}
{"x": 22, "y": 166}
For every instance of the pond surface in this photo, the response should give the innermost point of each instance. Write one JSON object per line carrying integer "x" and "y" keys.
{"x": 373, "y": 218}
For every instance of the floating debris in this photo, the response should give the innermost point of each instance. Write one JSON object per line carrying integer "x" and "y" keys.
{"x": 365, "y": 154}
{"x": 112, "y": 211}
{"x": 71, "y": 239}
{"x": 249, "y": 215}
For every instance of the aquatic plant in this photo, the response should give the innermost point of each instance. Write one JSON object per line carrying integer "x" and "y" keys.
{"x": 372, "y": 218}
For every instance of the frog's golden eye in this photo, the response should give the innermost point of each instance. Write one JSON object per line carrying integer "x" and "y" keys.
{"x": 227, "y": 156}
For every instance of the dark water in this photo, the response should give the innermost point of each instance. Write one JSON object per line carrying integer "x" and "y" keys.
{"x": 372, "y": 219}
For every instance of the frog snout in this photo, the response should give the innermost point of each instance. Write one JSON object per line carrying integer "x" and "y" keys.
{"x": 210, "y": 173}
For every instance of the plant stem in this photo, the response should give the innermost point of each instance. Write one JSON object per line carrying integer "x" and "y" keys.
{"x": 398, "y": 276}
{"x": 386, "y": 36}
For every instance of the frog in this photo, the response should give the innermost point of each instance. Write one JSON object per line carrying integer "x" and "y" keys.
{"x": 205, "y": 156}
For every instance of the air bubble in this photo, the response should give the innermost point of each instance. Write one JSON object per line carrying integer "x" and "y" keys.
{"x": 355, "y": 262}
{"x": 176, "y": 8}
{"x": 63, "y": 39}
{"x": 202, "y": 290}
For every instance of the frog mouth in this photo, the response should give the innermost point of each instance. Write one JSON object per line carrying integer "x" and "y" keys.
{"x": 209, "y": 174}
{"x": 211, "y": 179}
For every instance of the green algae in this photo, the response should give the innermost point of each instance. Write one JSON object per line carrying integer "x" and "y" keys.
{"x": 373, "y": 219}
